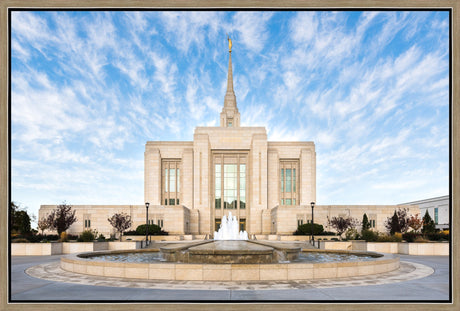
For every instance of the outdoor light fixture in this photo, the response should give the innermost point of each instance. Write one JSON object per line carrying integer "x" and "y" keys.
{"x": 312, "y": 218}
{"x": 146, "y": 222}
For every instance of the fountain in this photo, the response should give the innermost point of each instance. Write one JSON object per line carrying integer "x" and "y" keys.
{"x": 230, "y": 257}
{"x": 229, "y": 260}
{"x": 229, "y": 229}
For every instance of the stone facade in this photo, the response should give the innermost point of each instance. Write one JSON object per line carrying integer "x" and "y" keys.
{"x": 191, "y": 185}
{"x": 94, "y": 217}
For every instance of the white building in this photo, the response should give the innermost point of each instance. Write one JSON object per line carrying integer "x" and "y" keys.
{"x": 438, "y": 209}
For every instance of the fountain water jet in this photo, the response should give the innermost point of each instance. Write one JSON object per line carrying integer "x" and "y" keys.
{"x": 229, "y": 229}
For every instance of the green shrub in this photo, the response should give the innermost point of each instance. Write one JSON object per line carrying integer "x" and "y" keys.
{"x": 20, "y": 240}
{"x": 328, "y": 233}
{"x": 72, "y": 237}
{"x": 437, "y": 236}
{"x": 86, "y": 236}
{"x": 334, "y": 239}
{"x": 369, "y": 236}
{"x": 305, "y": 229}
{"x": 410, "y": 236}
{"x": 153, "y": 230}
{"x": 35, "y": 238}
{"x": 389, "y": 238}
{"x": 101, "y": 238}
{"x": 51, "y": 237}
{"x": 352, "y": 234}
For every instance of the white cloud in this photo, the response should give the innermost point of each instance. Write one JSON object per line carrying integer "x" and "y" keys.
{"x": 303, "y": 27}
{"x": 196, "y": 109}
{"x": 190, "y": 28}
{"x": 165, "y": 73}
{"x": 89, "y": 89}
{"x": 252, "y": 29}
{"x": 212, "y": 104}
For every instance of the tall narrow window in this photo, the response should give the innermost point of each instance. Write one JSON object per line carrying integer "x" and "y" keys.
{"x": 436, "y": 215}
{"x": 230, "y": 186}
{"x": 87, "y": 221}
{"x": 171, "y": 182}
{"x": 243, "y": 186}
{"x": 218, "y": 188}
{"x": 288, "y": 182}
{"x": 282, "y": 179}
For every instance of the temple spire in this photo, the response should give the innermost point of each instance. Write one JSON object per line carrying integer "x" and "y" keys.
{"x": 230, "y": 117}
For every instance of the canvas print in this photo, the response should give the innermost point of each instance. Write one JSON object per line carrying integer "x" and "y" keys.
{"x": 222, "y": 156}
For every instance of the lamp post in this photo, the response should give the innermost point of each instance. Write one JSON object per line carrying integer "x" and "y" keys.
{"x": 146, "y": 223}
{"x": 312, "y": 219}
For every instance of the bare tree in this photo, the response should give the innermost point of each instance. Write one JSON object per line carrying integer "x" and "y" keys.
{"x": 121, "y": 222}
{"x": 61, "y": 218}
{"x": 43, "y": 224}
{"x": 341, "y": 224}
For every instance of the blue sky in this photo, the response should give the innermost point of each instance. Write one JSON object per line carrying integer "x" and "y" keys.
{"x": 371, "y": 89}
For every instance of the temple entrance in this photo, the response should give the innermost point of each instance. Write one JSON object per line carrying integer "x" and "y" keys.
{"x": 229, "y": 172}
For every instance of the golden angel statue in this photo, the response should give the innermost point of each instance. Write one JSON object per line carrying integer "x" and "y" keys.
{"x": 229, "y": 44}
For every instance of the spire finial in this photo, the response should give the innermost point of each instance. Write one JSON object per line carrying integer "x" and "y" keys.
{"x": 230, "y": 117}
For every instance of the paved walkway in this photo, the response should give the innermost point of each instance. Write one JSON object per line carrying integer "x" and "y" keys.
{"x": 39, "y": 278}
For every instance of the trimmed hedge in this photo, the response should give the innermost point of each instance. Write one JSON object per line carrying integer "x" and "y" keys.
{"x": 438, "y": 236}
{"x": 305, "y": 229}
{"x": 43, "y": 238}
{"x": 153, "y": 230}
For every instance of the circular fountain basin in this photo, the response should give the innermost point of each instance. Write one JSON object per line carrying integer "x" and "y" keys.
{"x": 207, "y": 269}
{"x": 229, "y": 252}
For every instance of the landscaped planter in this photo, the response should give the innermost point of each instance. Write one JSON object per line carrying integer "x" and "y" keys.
{"x": 79, "y": 247}
{"x": 158, "y": 237}
{"x": 383, "y": 247}
{"x": 433, "y": 249}
{"x": 320, "y": 238}
{"x": 124, "y": 245}
{"x": 335, "y": 245}
{"x": 36, "y": 249}
{"x": 58, "y": 248}
{"x": 430, "y": 248}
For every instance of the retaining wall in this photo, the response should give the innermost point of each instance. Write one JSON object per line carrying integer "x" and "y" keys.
{"x": 433, "y": 249}
{"x": 46, "y": 249}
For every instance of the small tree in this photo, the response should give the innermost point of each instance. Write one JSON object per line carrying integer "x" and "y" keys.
{"x": 121, "y": 222}
{"x": 392, "y": 224}
{"x": 341, "y": 224}
{"x": 399, "y": 222}
{"x": 366, "y": 225}
{"x": 61, "y": 218}
{"x": 43, "y": 224}
{"x": 20, "y": 220}
{"x": 428, "y": 224}
{"x": 415, "y": 223}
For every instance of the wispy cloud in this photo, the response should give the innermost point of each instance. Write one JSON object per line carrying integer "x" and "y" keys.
{"x": 371, "y": 89}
